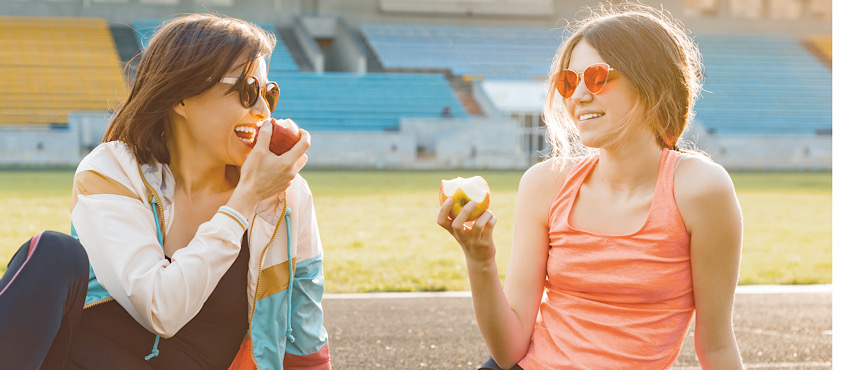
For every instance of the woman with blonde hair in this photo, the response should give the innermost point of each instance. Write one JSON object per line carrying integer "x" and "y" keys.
{"x": 620, "y": 238}
{"x": 196, "y": 251}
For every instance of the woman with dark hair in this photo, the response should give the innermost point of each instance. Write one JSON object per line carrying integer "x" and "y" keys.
{"x": 621, "y": 237}
{"x": 195, "y": 250}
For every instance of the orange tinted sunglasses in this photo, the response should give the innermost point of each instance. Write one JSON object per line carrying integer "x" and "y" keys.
{"x": 595, "y": 78}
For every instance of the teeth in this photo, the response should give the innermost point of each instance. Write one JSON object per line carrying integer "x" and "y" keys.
{"x": 251, "y": 131}
{"x": 588, "y": 116}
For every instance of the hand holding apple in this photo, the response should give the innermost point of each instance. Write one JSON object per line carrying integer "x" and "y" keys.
{"x": 462, "y": 191}
{"x": 284, "y": 136}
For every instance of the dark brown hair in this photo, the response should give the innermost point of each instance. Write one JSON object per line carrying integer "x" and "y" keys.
{"x": 648, "y": 48}
{"x": 185, "y": 57}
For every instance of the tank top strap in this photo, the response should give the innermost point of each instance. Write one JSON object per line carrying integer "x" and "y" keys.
{"x": 667, "y": 168}
{"x": 664, "y": 188}
{"x": 566, "y": 194}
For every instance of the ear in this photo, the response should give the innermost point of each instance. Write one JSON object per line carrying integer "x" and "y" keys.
{"x": 180, "y": 109}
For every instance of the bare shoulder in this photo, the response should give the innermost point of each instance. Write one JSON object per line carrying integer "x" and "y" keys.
{"x": 704, "y": 193}
{"x": 698, "y": 178}
{"x": 539, "y": 186}
{"x": 547, "y": 175}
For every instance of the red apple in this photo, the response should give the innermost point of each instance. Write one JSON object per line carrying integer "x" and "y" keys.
{"x": 462, "y": 191}
{"x": 284, "y": 136}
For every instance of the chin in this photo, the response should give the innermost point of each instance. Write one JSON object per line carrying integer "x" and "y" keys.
{"x": 590, "y": 140}
{"x": 237, "y": 158}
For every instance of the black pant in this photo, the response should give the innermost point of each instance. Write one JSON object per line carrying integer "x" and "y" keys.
{"x": 41, "y": 299}
{"x": 492, "y": 365}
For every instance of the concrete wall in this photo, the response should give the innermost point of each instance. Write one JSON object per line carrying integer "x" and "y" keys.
{"x": 765, "y": 153}
{"x": 492, "y": 143}
{"x": 423, "y": 143}
{"x": 361, "y": 149}
{"x": 41, "y": 146}
{"x": 346, "y": 52}
{"x": 308, "y": 44}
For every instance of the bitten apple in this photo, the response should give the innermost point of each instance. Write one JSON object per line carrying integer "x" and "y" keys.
{"x": 284, "y": 136}
{"x": 462, "y": 191}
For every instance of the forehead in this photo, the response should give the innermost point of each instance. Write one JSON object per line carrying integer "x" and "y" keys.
{"x": 259, "y": 71}
{"x": 583, "y": 56}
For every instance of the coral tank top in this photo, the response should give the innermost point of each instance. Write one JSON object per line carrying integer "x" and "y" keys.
{"x": 614, "y": 301}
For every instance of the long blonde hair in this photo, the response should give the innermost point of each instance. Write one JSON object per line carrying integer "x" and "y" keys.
{"x": 652, "y": 51}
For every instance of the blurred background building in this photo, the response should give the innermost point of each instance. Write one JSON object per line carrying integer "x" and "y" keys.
{"x": 421, "y": 83}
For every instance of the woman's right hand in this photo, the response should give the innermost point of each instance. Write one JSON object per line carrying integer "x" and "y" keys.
{"x": 476, "y": 238}
{"x": 264, "y": 174}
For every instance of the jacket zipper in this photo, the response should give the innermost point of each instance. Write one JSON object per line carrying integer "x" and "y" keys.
{"x": 95, "y": 303}
{"x": 161, "y": 216}
{"x": 259, "y": 271}
{"x": 159, "y": 207}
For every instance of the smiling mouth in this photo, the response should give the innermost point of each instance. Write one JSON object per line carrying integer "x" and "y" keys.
{"x": 587, "y": 116}
{"x": 246, "y": 133}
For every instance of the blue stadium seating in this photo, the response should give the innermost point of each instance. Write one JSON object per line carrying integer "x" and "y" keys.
{"x": 335, "y": 101}
{"x": 763, "y": 85}
{"x": 491, "y": 52}
{"x": 755, "y": 84}
{"x": 281, "y": 58}
{"x": 338, "y": 101}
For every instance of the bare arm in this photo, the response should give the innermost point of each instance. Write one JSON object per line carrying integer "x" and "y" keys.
{"x": 506, "y": 317}
{"x": 710, "y": 209}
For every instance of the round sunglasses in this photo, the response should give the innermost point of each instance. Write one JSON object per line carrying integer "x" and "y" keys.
{"x": 595, "y": 78}
{"x": 250, "y": 90}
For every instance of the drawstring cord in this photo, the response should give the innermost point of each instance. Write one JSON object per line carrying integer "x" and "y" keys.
{"x": 289, "y": 336}
{"x": 291, "y": 279}
{"x": 155, "y": 350}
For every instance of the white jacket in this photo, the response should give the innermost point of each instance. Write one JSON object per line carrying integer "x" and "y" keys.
{"x": 117, "y": 208}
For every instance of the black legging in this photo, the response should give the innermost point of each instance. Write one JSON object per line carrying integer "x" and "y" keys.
{"x": 41, "y": 299}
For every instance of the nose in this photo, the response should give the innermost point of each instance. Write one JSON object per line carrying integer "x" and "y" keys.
{"x": 261, "y": 108}
{"x": 581, "y": 94}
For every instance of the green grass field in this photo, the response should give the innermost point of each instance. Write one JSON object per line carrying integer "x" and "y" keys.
{"x": 379, "y": 232}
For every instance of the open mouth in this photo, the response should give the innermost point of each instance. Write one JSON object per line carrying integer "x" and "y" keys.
{"x": 587, "y": 116}
{"x": 246, "y": 133}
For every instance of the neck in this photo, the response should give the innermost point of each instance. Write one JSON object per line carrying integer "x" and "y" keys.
{"x": 194, "y": 173}
{"x": 629, "y": 165}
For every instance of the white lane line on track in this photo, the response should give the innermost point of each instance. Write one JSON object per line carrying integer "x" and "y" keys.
{"x": 743, "y": 289}
{"x": 774, "y": 333}
{"x": 793, "y": 365}
{"x": 783, "y": 289}
{"x": 460, "y": 294}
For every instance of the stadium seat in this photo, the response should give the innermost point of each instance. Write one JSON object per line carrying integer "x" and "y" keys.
{"x": 281, "y": 58}
{"x": 824, "y": 44}
{"x": 756, "y": 84}
{"x": 503, "y": 52}
{"x": 339, "y": 101}
{"x": 50, "y": 66}
{"x": 763, "y": 85}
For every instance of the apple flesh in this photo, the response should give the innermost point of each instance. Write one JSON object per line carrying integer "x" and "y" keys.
{"x": 284, "y": 136}
{"x": 462, "y": 191}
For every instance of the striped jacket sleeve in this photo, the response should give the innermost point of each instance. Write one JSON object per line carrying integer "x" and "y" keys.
{"x": 310, "y": 348}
